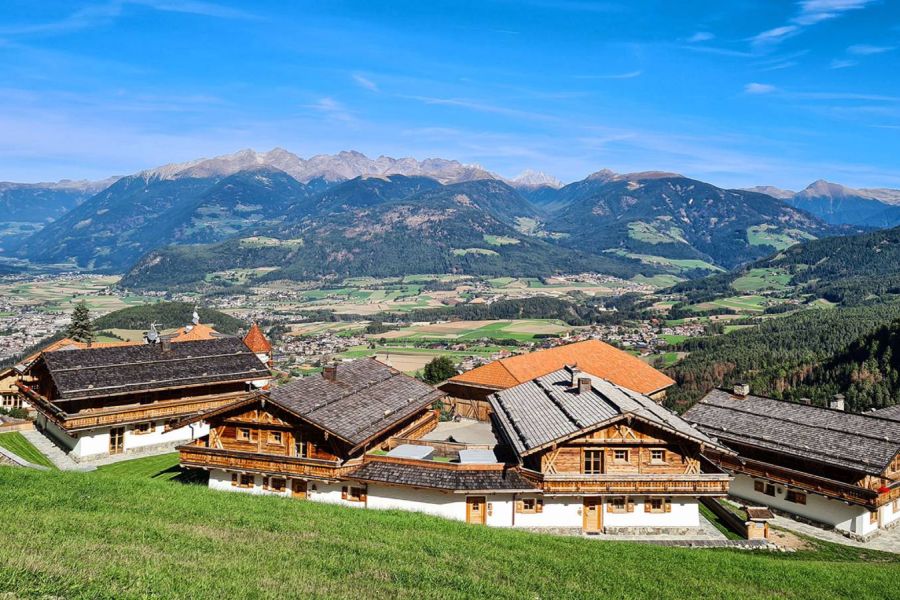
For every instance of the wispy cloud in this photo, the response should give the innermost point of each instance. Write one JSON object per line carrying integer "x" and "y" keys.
{"x": 364, "y": 82}
{"x": 866, "y": 49}
{"x": 700, "y": 36}
{"x": 842, "y": 63}
{"x": 485, "y": 107}
{"x": 333, "y": 109}
{"x": 809, "y": 13}
{"x": 97, "y": 15}
{"x": 759, "y": 88}
{"x": 627, "y": 75}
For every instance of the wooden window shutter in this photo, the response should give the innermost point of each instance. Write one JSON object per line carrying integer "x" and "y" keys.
{"x": 647, "y": 505}
{"x": 520, "y": 506}
{"x": 265, "y": 482}
{"x": 539, "y": 505}
{"x": 668, "y": 504}
{"x": 344, "y": 493}
{"x": 362, "y": 496}
{"x": 630, "y": 505}
{"x": 234, "y": 479}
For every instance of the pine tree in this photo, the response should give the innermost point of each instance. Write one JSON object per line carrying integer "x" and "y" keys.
{"x": 81, "y": 329}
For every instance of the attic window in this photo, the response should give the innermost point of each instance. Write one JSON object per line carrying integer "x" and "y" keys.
{"x": 657, "y": 455}
{"x": 620, "y": 455}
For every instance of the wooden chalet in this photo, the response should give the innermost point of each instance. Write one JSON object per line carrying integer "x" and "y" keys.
{"x": 100, "y": 401}
{"x": 470, "y": 391}
{"x": 822, "y": 464}
{"x": 308, "y": 434}
{"x": 606, "y": 457}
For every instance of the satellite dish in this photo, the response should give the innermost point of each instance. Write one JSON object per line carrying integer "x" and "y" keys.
{"x": 152, "y": 336}
{"x": 195, "y": 319}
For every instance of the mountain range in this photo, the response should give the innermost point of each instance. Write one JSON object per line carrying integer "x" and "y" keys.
{"x": 347, "y": 214}
{"x": 840, "y": 205}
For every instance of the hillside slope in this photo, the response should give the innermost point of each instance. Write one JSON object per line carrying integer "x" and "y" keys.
{"x": 127, "y": 536}
{"x": 387, "y": 227}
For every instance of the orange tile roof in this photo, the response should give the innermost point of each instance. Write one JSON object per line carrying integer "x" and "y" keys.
{"x": 256, "y": 341}
{"x": 193, "y": 333}
{"x": 592, "y": 356}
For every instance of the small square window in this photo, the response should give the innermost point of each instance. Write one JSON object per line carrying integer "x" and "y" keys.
{"x": 247, "y": 480}
{"x": 620, "y": 455}
{"x": 143, "y": 428}
{"x": 277, "y": 484}
{"x": 593, "y": 462}
{"x": 657, "y": 455}
{"x": 355, "y": 494}
{"x": 616, "y": 505}
{"x": 795, "y": 496}
{"x": 873, "y": 517}
{"x": 243, "y": 434}
{"x": 275, "y": 437}
{"x": 656, "y": 505}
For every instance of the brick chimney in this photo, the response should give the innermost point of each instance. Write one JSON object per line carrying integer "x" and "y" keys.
{"x": 575, "y": 371}
{"x": 584, "y": 385}
{"x": 836, "y": 402}
{"x": 329, "y": 372}
{"x": 165, "y": 345}
{"x": 741, "y": 390}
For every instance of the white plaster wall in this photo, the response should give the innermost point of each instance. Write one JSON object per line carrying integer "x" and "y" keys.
{"x": 888, "y": 515}
{"x": 562, "y": 511}
{"x": 500, "y": 510}
{"x": 432, "y": 502}
{"x": 847, "y": 517}
{"x": 55, "y": 432}
{"x": 156, "y": 436}
{"x": 330, "y": 493}
{"x": 685, "y": 513}
{"x": 91, "y": 443}
{"x": 221, "y": 480}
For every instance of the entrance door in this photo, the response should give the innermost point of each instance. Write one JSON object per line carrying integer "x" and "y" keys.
{"x": 298, "y": 489}
{"x": 592, "y": 514}
{"x": 476, "y": 510}
{"x": 117, "y": 440}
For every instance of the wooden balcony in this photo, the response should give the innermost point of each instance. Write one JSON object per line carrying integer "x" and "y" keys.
{"x": 125, "y": 414}
{"x": 798, "y": 479}
{"x": 700, "y": 484}
{"x": 197, "y": 455}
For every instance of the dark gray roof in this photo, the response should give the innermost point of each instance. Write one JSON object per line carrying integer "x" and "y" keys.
{"x": 891, "y": 412}
{"x": 862, "y": 443}
{"x": 124, "y": 369}
{"x": 450, "y": 479}
{"x": 548, "y": 409}
{"x": 366, "y": 398}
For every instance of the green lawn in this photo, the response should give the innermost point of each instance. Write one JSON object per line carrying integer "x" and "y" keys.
{"x": 761, "y": 279}
{"x": 164, "y": 466}
{"x": 16, "y": 443}
{"x": 94, "y": 535}
{"x": 673, "y": 338}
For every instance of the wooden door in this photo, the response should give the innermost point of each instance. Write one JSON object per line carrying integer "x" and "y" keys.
{"x": 592, "y": 514}
{"x": 476, "y": 510}
{"x": 298, "y": 489}
{"x": 116, "y": 440}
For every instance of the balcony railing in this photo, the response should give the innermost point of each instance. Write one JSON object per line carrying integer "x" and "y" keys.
{"x": 199, "y": 456}
{"x": 702, "y": 484}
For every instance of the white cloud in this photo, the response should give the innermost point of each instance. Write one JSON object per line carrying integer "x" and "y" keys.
{"x": 700, "y": 36}
{"x": 866, "y": 49}
{"x": 839, "y": 63}
{"x": 775, "y": 35}
{"x": 759, "y": 88}
{"x": 628, "y": 75}
{"x": 365, "y": 82}
{"x": 333, "y": 109}
{"x": 815, "y": 11}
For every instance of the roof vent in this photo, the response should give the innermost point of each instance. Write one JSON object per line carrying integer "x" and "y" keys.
{"x": 836, "y": 402}
{"x": 584, "y": 385}
{"x": 576, "y": 372}
{"x": 741, "y": 390}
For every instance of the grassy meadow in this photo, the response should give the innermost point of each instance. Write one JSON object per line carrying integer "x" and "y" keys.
{"x": 130, "y": 531}
{"x": 16, "y": 443}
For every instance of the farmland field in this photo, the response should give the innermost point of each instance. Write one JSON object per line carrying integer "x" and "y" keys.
{"x": 520, "y": 330}
{"x": 129, "y": 535}
{"x": 760, "y": 279}
{"x": 61, "y": 295}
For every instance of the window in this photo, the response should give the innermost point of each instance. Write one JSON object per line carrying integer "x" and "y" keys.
{"x": 657, "y": 455}
{"x": 277, "y": 484}
{"x": 275, "y": 437}
{"x": 143, "y": 428}
{"x": 593, "y": 462}
{"x": 764, "y": 488}
{"x": 617, "y": 505}
{"x": 620, "y": 455}
{"x": 299, "y": 446}
{"x": 657, "y": 505}
{"x": 353, "y": 494}
{"x": 529, "y": 505}
{"x": 241, "y": 480}
{"x": 770, "y": 490}
{"x": 873, "y": 517}
{"x": 796, "y": 496}
{"x": 243, "y": 434}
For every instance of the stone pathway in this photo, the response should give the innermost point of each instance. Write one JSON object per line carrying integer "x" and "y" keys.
{"x": 53, "y": 452}
{"x": 886, "y": 541}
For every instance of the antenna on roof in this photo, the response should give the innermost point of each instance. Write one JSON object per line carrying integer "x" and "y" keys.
{"x": 152, "y": 336}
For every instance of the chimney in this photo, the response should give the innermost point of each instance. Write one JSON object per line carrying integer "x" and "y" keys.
{"x": 741, "y": 390}
{"x": 836, "y": 402}
{"x": 584, "y": 385}
{"x": 330, "y": 372}
{"x": 575, "y": 373}
{"x": 165, "y": 345}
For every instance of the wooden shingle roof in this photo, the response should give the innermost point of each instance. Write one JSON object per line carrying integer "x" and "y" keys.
{"x": 366, "y": 398}
{"x": 101, "y": 372}
{"x": 890, "y": 412}
{"x": 446, "y": 478}
{"x": 549, "y": 410}
{"x": 862, "y": 443}
{"x": 591, "y": 356}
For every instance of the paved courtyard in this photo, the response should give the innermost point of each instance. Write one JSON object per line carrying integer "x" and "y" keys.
{"x": 887, "y": 541}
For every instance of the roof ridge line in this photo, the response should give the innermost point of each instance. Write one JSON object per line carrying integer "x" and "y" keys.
{"x": 823, "y": 427}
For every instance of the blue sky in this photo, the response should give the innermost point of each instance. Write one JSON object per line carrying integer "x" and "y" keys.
{"x": 736, "y": 93}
